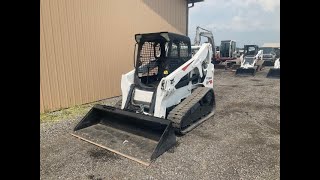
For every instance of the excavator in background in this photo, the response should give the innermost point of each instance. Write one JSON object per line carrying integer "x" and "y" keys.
{"x": 227, "y": 50}
{"x": 275, "y": 71}
{"x": 210, "y": 39}
{"x": 227, "y": 55}
{"x": 168, "y": 92}
{"x": 251, "y": 61}
{"x": 224, "y": 55}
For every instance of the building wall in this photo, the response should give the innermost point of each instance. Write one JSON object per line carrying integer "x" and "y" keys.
{"x": 274, "y": 45}
{"x": 85, "y": 45}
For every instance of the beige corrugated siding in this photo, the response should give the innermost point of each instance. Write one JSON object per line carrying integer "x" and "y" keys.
{"x": 85, "y": 45}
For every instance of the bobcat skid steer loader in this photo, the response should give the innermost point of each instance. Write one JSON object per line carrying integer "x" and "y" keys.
{"x": 251, "y": 61}
{"x": 168, "y": 92}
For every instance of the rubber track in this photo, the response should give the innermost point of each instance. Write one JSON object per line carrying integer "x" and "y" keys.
{"x": 181, "y": 110}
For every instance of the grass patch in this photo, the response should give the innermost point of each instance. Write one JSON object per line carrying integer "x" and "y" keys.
{"x": 72, "y": 112}
{"x": 69, "y": 113}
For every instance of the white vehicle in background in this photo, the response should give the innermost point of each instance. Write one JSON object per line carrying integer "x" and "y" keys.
{"x": 227, "y": 50}
{"x": 269, "y": 56}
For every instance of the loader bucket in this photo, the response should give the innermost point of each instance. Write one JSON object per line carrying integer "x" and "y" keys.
{"x": 229, "y": 64}
{"x": 235, "y": 66}
{"x": 138, "y": 137}
{"x": 246, "y": 72}
{"x": 220, "y": 66}
{"x": 273, "y": 73}
{"x": 268, "y": 63}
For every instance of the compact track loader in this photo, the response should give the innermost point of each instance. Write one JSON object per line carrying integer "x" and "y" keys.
{"x": 275, "y": 71}
{"x": 169, "y": 92}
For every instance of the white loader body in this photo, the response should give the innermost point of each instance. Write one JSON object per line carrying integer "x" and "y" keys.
{"x": 167, "y": 95}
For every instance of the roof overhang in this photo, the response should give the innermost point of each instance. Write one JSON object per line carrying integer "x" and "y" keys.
{"x": 273, "y": 45}
{"x": 194, "y": 1}
{"x": 161, "y": 36}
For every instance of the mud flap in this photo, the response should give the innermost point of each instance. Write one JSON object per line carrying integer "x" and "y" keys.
{"x": 246, "y": 72}
{"x": 273, "y": 73}
{"x": 138, "y": 137}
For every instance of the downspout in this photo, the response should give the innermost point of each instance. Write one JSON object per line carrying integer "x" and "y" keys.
{"x": 187, "y": 24}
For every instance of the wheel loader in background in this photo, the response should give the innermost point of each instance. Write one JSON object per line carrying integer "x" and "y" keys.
{"x": 275, "y": 71}
{"x": 168, "y": 92}
{"x": 251, "y": 61}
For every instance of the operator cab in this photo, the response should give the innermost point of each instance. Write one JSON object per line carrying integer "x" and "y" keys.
{"x": 250, "y": 50}
{"x": 158, "y": 55}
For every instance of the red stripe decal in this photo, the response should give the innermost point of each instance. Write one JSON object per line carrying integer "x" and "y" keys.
{"x": 184, "y": 68}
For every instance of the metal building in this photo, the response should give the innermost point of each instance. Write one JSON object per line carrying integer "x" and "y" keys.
{"x": 272, "y": 45}
{"x": 85, "y": 45}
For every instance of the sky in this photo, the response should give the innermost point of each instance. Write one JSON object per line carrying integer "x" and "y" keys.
{"x": 245, "y": 21}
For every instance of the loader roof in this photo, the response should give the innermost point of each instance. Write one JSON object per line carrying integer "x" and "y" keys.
{"x": 161, "y": 36}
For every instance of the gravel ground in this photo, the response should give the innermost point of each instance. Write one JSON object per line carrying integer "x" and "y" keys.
{"x": 242, "y": 141}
